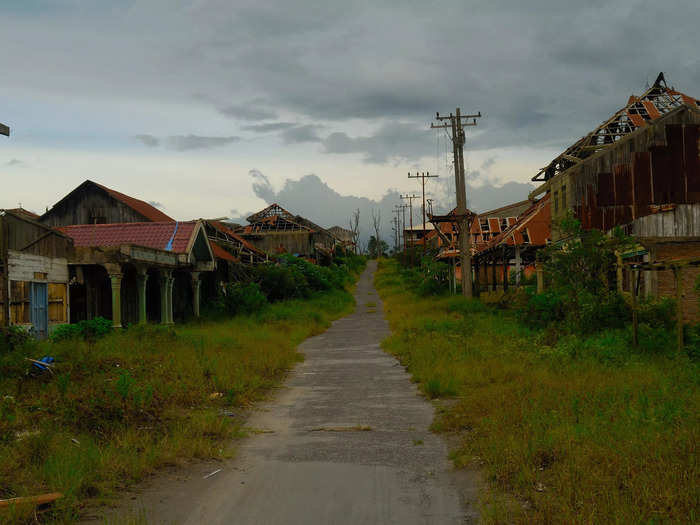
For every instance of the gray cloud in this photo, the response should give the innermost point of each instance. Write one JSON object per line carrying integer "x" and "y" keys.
{"x": 14, "y": 162}
{"x": 306, "y": 133}
{"x": 247, "y": 112}
{"x": 191, "y": 142}
{"x": 392, "y": 141}
{"x": 271, "y": 126}
{"x": 148, "y": 140}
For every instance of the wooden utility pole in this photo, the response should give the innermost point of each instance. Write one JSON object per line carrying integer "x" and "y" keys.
{"x": 410, "y": 214}
{"x": 457, "y": 127}
{"x": 403, "y": 208}
{"x": 397, "y": 226}
{"x": 423, "y": 176}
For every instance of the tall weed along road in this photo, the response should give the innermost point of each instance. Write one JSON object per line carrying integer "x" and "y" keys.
{"x": 346, "y": 440}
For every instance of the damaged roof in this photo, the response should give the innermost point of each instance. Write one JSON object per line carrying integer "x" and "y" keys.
{"x": 639, "y": 112}
{"x": 168, "y": 236}
{"x": 532, "y": 228}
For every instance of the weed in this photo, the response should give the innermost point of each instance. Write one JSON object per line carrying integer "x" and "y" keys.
{"x": 568, "y": 427}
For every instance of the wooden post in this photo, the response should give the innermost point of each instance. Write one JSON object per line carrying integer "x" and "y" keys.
{"x": 540, "y": 277}
{"x": 5, "y": 275}
{"x": 635, "y": 321}
{"x": 505, "y": 270}
{"x": 494, "y": 274}
{"x": 678, "y": 274}
{"x": 518, "y": 266}
{"x": 618, "y": 271}
{"x": 196, "y": 286}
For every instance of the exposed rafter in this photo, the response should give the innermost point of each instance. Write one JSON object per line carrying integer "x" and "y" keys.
{"x": 656, "y": 101}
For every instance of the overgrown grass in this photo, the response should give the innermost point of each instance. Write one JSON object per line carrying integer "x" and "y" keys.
{"x": 136, "y": 400}
{"x": 562, "y": 436}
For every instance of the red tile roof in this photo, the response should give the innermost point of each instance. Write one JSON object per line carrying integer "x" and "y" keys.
{"x": 25, "y": 213}
{"x": 221, "y": 253}
{"x": 147, "y": 210}
{"x": 155, "y": 235}
{"x": 228, "y": 231}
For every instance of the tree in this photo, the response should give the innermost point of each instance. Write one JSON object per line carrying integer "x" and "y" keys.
{"x": 376, "y": 248}
{"x": 377, "y": 224}
{"x": 354, "y": 223}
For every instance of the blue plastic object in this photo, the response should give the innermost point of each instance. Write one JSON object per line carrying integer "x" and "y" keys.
{"x": 46, "y": 359}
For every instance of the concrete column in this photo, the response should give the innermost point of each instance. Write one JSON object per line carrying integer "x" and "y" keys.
{"x": 166, "y": 296}
{"x": 171, "y": 285}
{"x": 196, "y": 285}
{"x": 540, "y": 277}
{"x": 141, "y": 280}
{"x": 116, "y": 279}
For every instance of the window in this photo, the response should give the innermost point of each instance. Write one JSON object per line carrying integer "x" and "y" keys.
{"x": 563, "y": 198}
{"x": 484, "y": 225}
{"x": 556, "y": 201}
{"x": 504, "y": 224}
{"x": 526, "y": 236}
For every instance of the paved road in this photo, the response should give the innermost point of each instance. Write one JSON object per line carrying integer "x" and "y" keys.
{"x": 345, "y": 441}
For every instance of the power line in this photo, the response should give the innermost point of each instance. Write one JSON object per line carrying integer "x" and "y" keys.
{"x": 423, "y": 176}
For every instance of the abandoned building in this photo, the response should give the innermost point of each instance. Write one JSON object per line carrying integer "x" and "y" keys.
{"x": 513, "y": 250}
{"x": 345, "y": 237}
{"x": 638, "y": 170}
{"x": 92, "y": 203}
{"x": 274, "y": 230}
{"x": 34, "y": 274}
{"x": 137, "y": 272}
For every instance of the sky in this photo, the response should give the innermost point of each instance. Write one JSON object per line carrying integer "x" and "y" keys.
{"x": 213, "y": 108}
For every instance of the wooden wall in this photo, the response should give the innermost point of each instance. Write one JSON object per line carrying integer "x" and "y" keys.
{"x": 83, "y": 206}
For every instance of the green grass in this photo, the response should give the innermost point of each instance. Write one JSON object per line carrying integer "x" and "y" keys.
{"x": 142, "y": 398}
{"x": 560, "y": 436}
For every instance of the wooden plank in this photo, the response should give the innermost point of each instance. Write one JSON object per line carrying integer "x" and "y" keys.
{"x": 41, "y": 499}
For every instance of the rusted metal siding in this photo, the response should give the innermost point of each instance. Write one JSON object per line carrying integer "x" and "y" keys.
{"x": 653, "y": 167}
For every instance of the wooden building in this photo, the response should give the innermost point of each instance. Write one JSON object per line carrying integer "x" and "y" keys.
{"x": 93, "y": 203}
{"x": 274, "y": 230}
{"x": 639, "y": 170}
{"x": 34, "y": 274}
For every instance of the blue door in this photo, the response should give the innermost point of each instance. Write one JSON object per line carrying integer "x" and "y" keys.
{"x": 39, "y": 303}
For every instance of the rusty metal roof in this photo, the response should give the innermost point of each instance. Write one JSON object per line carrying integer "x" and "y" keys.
{"x": 149, "y": 211}
{"x": 220, "y": 253}
{"x": 532, "y": 228}
{"x": 639, "y": 112}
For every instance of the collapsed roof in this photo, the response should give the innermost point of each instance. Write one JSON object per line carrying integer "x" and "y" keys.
{"x": 656, "y": 102}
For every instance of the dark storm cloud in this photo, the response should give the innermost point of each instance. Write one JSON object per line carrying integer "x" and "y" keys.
{"x": 148, "y": 140}
{"x": 542, "y": 73}
{"x": 190, "y": 142}
{"x": 394, "y": 140}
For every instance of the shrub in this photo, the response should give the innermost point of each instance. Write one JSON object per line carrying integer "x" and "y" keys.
{"x": 658, "y": 313}
{"x": 88, "y": 330}
{"x": 280, "y": 282}
{"x": 12, "y": 337}
{"x": 243, "y": 298}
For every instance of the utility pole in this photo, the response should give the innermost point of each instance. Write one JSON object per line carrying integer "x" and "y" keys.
{"x": 410, "y": 207}
{"x": 397, "y": 226}
{"x": 430, "y": 206}
{"x": 423, "y": 176}
{"x": 457, "y": 127}
{"x": 402, "y": 207}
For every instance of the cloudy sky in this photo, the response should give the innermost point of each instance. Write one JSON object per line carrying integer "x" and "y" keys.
{"x": 188, "y": 103}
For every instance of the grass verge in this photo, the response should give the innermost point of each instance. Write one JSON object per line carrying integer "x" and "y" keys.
{"x": 559, "y": 438}
{"x": 120, "y": 407}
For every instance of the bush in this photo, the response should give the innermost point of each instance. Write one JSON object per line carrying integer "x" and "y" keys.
{"x": 243, "y": 298}
{"x": 542, "y": 309}
{"x": 658, "y": 313}
{"x": 280, "y": 282}
{"x": 12, "y": 337}
{"x": 88, "y": 330}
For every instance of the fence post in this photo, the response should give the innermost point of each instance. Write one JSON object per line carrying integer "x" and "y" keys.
{"x": 678, "y": 273}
